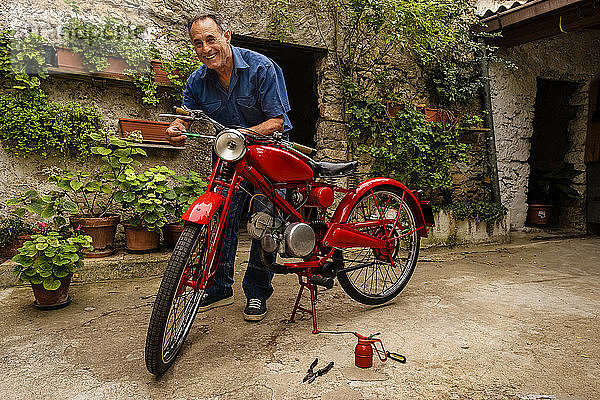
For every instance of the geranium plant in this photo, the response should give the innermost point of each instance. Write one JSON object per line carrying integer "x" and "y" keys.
{"x": 47, "y": 258}
{"x": 144, "y": 195}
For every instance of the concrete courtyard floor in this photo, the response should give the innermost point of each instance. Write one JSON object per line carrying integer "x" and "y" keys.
{"x": 513, "y": 321}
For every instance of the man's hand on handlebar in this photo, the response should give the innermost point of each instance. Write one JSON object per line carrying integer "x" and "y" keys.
{"x": 174, "y": 133}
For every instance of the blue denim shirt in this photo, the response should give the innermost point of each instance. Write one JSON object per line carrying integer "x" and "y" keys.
{"x": 256, "y": 92}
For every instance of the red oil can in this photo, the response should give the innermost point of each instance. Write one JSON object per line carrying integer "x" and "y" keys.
{"x": 363, "y": 352}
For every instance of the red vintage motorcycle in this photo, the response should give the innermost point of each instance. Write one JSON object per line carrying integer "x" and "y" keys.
{"x": 370, "y": 242}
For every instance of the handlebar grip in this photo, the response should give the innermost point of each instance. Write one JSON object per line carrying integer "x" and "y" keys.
{"x": 309, "y": 151}
{"x": 181, "y": 111}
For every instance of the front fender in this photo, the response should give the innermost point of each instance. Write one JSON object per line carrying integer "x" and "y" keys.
{"x": 205, "y": 206}
{"x": 343, "y": 211}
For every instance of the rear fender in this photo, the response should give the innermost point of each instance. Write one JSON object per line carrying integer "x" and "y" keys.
{"x": 343, "y": 211}
{"x": 205, "y": 206}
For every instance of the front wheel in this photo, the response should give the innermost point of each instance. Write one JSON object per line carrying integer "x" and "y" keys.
{"x": 179, "y": 296}
{"x": 375, "y": 276}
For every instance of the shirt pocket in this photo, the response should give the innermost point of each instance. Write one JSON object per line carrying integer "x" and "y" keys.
{"x": 247, "y": 102}
{"x": 250, "y": 111}
{"x": 211, "y": 108}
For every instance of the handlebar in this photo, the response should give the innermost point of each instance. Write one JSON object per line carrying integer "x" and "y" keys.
{"x": 199, "y": 115}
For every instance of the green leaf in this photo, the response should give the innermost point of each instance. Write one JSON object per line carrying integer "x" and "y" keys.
{"x": 103, "y": 151}
{"x": 45, "y": 273}
{"x": 76, "y": 185}
{"x": 70, "y": 207}
{"x": 61, "y": 272}
{"x": 92, "y": 187}
{"x": 36, "y": 280}
{"x": 14, "y": 202}
{"x": 48, "y": 212}
{"x": 30, "y": 194}
{"x": 41, "y": 246}
{"x": 128, "y": 197}
{"x": 106, "y": 189}
{"x": 35, "y": 208}
{"x": 51, "y": 283}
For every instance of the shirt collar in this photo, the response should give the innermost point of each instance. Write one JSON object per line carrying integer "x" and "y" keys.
{"x": 238, "y": 61}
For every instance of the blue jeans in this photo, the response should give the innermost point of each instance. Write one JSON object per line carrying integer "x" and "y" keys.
{"x": 257, "y": 280}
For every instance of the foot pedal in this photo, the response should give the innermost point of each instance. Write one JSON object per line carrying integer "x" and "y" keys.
{"x": 321, "y": 281}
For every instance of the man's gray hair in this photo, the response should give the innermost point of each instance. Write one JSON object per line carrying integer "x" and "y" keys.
{"x": 215, "y": 16}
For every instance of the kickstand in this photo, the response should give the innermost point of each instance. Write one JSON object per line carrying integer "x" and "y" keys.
{"x": 313, "y": 300}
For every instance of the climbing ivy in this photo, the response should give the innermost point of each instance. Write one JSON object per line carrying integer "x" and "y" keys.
{"x": 31, "y": 124}
{"x": 367, "y": 40}
{"x": 281, "y": 19}
{"x": 406, "y": 147}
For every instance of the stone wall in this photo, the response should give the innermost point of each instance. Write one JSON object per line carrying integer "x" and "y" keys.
{"x": 115, "y": 100}
{"x": 573, "y": 57}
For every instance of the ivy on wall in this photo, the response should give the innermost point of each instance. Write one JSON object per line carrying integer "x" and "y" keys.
{"x": 29, "y": 122}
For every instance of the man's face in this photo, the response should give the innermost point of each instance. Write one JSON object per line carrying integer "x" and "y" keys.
{"x": 211, "y": 45}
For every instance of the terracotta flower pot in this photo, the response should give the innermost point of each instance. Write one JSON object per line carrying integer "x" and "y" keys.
{"x": 12, "y": 249}
{"x": 152, "y": 131}
{"x": 538, "y": 214}
{"x": 171, "y": 233}
{"x": 140, "y": 240}
{"x": 102, "y": 230}
{"x": 69, "y": 61}
{"x": 160, "y": 75}
{"x": 437, "y": 115}
{"x": 52, "y": 299}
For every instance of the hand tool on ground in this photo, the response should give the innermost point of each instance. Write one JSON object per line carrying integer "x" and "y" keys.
{"x": 311, "y": 375}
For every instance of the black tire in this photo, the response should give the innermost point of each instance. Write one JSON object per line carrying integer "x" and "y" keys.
{"x": 173, "y": 313}
{"x": 382, "y": 280}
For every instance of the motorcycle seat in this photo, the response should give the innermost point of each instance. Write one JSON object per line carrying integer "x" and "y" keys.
{"x": 324, "y": 169}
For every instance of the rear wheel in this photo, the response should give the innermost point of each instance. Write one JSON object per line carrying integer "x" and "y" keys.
{"x": 178, "y": 296}
{"x": 379, "y": 275}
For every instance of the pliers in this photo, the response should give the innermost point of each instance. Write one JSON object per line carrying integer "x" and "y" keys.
{"x": 311, "y": 375}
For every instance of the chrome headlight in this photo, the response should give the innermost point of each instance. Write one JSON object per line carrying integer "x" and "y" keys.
{"x": 230, "y": 145}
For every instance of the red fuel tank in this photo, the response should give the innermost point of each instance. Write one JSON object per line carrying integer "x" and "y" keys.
{"x": 278, "y": 165}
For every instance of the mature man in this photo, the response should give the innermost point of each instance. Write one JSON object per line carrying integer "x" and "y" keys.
{"x": 238, "y": 87}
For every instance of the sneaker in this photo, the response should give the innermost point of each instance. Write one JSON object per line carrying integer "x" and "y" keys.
{"x": 255, "y": 310}
{"x": 209, "y": 302}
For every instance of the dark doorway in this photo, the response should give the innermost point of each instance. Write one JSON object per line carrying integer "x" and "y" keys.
{"x": 592, "y": 159}
{"x": 550, "y": 142}
{"x": 299, "y": 69}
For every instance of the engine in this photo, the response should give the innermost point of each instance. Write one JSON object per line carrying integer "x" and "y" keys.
{"x": 295, "y": 239}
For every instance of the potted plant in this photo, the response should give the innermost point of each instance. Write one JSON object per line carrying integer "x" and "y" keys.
{"x": 109, "y": 46}
{"x": 144, "y": 195}
{"x": 187, "y": 190}
{"x": 86, "y": 200}
{"x": 48, "y": 261}
{"x": 13, "y": 233}
{"x": 179, "y": 66}
{"x": 547, "y": 189}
